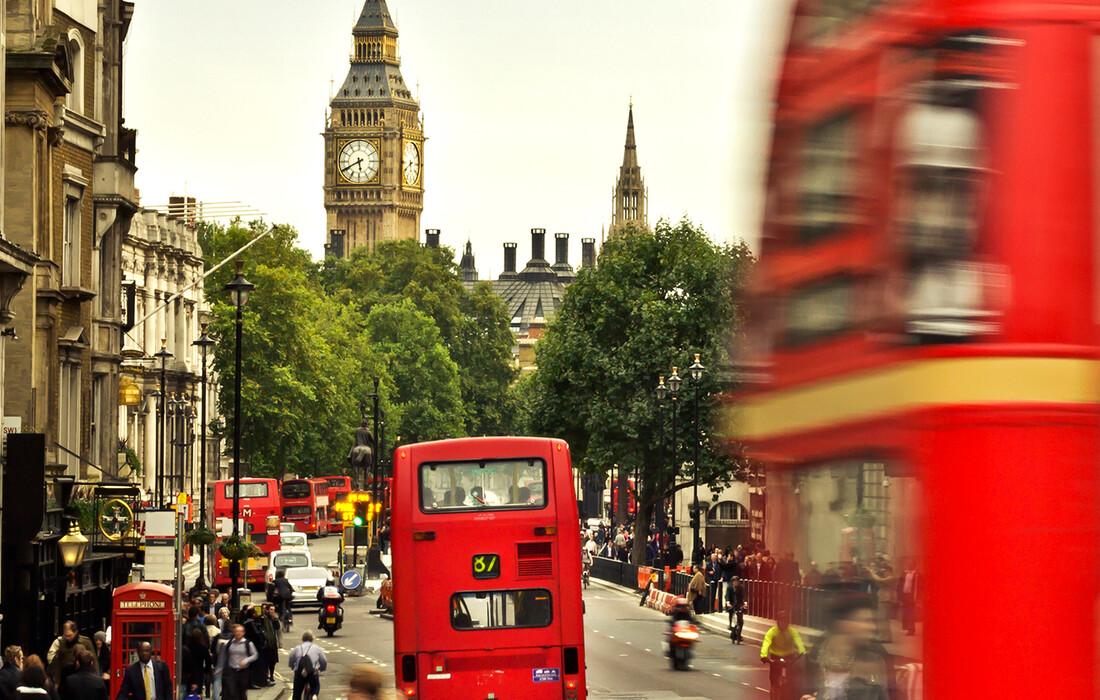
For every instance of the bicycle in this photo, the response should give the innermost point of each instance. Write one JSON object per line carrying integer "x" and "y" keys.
{"x": 584, "y": 576}
{"x": 286, "y": 616}
{"x": 782, "y": 685}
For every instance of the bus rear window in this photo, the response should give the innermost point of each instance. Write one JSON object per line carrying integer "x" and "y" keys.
{"x": 484, "y": 485}
{"x": 254, "y": 490}
{"x": 295, "y": 489}
{"x": 494, "y": 610}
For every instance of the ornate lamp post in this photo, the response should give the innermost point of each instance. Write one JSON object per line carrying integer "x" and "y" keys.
{"x": 662, "y": 394}
{"x": 696, "y": 371}
{"x": 204, "y": 341}
{"x": 163, "y": 355}
{"x": 674, "y": 389}
{"x": 239, "y": 289}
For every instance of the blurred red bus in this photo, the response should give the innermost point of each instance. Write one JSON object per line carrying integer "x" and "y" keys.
{"x": 259, "y": 508}
{"x": 923, "y": 325}
{"x": 630, "y": 502}
{"x": 305, "y": 503}
{"x": 338, "y": 489}
{"x": 486, "y": 574}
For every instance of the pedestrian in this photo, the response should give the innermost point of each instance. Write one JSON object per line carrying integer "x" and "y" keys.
{"x": 697, "y": 591}
{"x": 35, "y": 661}
{"x": 847, "y": 662}
{"x": 908, "y": 589}
{"x": 84, "y": 683}
{"x": 736, "y": 604}
{"x": 234, "y": 660}
{"x": 147, "y": 678}
{"x": 365, "y": 683}
{"x": 194, "y": 622}
{"x": 62, "y": 653}
{"x": 195, "y": 662}
{"x": 34, "y": 684}
{"x": 307, "y": 661}
{"x": 212, "y": 629}
{"x": 273, "y": 639}
{"x": 786, "y": 569}
{"x": 812, "y": 579}
{"x": 254, "y": 632}
{"x": 11, "y": 673}
{"x": 103, "y": 656}
{"x": 223, "y": 619}
{"x": 215, "y": 648}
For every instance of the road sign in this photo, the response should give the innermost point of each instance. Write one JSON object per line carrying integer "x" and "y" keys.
{"x": 351, "y": 580}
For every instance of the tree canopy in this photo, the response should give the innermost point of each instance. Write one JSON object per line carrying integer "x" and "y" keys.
{"x": 654, "y": 299}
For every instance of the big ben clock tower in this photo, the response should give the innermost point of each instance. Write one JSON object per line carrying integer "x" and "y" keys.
{"x": 374, "y": 143}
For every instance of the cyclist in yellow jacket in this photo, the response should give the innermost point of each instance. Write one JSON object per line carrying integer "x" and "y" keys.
{"x": 782, "y": 646}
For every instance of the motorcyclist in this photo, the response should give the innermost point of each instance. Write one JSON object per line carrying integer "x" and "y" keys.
{"x": 330, "y": 594}
{"x": 681, "y": 612}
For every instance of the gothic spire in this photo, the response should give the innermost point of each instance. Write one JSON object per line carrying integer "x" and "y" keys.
{"x": 375, "y": 15}
{"x": 630, "y": 152}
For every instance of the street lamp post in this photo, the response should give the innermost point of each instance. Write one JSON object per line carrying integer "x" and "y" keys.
{"x": 662, "y": 393}
{"x": 239, "y": 289}
{"x": 162, "y": 403}
{"x": 204, "y": 341}
{"x": 696, "y": 371}
{"x": 674, "y": 389}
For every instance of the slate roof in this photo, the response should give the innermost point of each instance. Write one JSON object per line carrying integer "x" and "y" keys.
{"x": 374, "y": 83}
{"x": 534, "y": 292}
{"x": 375, "y": 15}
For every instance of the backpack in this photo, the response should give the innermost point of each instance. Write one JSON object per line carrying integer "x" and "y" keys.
{"x": 305, "y": 667}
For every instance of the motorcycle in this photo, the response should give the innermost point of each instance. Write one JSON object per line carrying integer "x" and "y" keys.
{"x": 330, "y": 617}
{"x": 682, "y": 636}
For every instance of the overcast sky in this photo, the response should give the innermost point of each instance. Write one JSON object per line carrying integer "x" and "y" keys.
{"x": 524, "y": 106}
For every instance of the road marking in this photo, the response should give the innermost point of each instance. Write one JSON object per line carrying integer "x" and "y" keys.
{"x": 649, "y": 651}
{"x": 610, "y": 637}
{"x": 761, "y": 689}
{"x": 624, "y": 654}
{"x": 715, "y": 675}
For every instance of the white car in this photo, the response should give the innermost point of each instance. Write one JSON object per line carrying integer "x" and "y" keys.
{"x": 305, "y": 581}
{"x": 293, "y": 541}
{"x": 287, "y": 527}
{"x": 283, "y": 559}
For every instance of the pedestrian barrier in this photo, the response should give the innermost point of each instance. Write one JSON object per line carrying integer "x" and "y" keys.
{"x": 659, "y": 600}
{"x": 617, "y": 572}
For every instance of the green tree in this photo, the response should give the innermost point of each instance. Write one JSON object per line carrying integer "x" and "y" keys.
{"x": 425, "y": 396}
{"x": 473, "y": 326}
{"x": 653, "y": 300}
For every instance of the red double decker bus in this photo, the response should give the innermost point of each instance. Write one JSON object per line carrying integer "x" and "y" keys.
{"x": 259, "y": 510}
{"x": 338, "y": 489}
{"x": 486, "y": 572}
{"x": 306, "y": 504}
{"x": 923, "y": 327}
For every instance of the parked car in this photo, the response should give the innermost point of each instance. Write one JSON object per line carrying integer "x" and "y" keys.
{"x": 293, "y": 541}
{"x": 283, "y": 559}
{"x": 287, "y": 527}
{"x": 305, "y": 581}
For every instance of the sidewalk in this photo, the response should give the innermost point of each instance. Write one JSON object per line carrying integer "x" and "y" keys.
{"x": 905, "y": 649}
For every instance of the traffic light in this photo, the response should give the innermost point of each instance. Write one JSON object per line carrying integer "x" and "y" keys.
{"x": 362, "y": 514}
{"x": 694, "y": 509}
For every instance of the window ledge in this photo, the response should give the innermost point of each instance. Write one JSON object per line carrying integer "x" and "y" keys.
{"x": 79, "y": 293}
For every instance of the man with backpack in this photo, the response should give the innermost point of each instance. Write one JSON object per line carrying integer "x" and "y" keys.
{"x": 307, "y": 661}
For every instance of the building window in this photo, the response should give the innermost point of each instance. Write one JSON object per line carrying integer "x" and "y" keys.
{"x": 97, "y": 425}
{"x": 68, "y": 425}
{"x": 70, "y": 243}
{"x": 728, "y": 514}
{"x": 75, "y": 99}
{"x": 826, "y": 180}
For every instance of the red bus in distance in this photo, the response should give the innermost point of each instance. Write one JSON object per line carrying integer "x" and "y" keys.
{"x": 259, "y": 509}
{"x": 338, "y": 489}
{"x": 487, "y": 574}
{"x": 305, "y": 503}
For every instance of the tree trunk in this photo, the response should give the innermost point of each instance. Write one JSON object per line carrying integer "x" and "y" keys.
{"x": 641, "y": 533}
{"x": 621, "y": 497}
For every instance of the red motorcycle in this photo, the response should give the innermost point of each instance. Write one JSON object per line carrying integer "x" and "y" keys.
{"x": 681, "y": 638}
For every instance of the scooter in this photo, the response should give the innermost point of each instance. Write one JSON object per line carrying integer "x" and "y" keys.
{"x": 330, "y": 617}
{"x": 681, "y": 638}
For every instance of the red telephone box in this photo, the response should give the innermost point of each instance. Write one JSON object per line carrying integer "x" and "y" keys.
{"x": 142, "y": 612}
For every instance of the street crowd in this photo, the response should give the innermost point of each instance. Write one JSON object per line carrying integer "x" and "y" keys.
{"x": 222, "y": 657}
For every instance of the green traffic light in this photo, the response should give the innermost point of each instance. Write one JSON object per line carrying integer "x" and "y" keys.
{"x": 357, "y": 521}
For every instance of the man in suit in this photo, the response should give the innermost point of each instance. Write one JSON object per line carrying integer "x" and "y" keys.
{"x": 147, "y": 678}
{"x": 84, "y": 683}
{"x": 908, "y": 589}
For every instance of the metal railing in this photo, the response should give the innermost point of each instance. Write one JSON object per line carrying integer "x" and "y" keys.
{"x": 615, "y": 571}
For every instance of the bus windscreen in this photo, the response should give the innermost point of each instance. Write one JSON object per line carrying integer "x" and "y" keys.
{"x": 482, "y": 485}
{"x": 295, "y": 489}
{"x": 494, "y": 610}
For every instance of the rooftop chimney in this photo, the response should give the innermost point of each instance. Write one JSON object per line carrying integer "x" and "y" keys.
{"x": 509, "y": 260}
{"x": 588, "y": 252}
{"x": 431, "y": 238}
{"x": 538, "y": 244}
{"x": 561, "y": 248}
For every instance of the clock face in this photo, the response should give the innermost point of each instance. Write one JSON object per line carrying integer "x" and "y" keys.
{"x": 358, "y": 161}
{"x": 412, "y": 163}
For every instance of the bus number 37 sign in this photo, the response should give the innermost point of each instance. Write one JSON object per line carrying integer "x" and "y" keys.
{"x": 486, "y": 566}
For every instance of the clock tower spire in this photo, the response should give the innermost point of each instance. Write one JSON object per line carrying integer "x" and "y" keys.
{"x": 629, "y": 203}
{"x": 374, "y": 143}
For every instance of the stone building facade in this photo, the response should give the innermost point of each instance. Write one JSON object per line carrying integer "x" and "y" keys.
{"x": 68, "y": 198}
{"x": 163, "y": 263}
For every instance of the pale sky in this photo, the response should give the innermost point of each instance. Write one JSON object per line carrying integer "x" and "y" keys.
{"x": 524, "y": 107}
